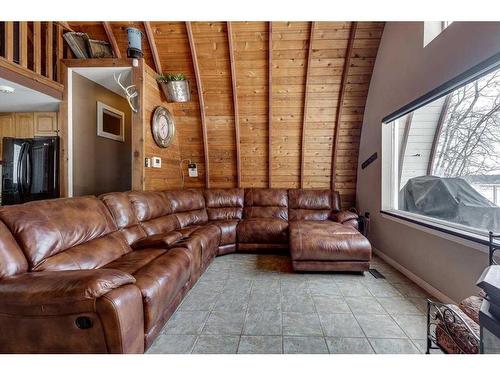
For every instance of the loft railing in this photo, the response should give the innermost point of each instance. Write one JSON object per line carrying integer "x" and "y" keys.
{"x": 35, "y": 46}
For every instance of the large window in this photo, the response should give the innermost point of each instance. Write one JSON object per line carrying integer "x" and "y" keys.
{"x": 445, "y": 157}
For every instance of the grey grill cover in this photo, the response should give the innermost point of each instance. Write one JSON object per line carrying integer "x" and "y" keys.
{"x": 451, "y": 199}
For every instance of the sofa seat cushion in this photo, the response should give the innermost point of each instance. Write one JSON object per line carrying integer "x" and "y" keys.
{"x": 327, "y": 241}
{"x": 227, "y": 230}
{"x": 160, "y": 281}
{"x": 135, "y": 260}
{"x": 262, "y": 231}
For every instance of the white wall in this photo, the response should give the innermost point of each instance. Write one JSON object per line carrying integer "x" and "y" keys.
{"x": 421, "y": 135}
{"x": 404, "y": 71}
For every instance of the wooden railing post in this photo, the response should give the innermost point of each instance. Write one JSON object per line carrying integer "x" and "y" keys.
{"x": 37, "y": 47}
{"x": 49, "y": 42}
{"x": 9, "y": 41}
{"x": 23, "y": 44}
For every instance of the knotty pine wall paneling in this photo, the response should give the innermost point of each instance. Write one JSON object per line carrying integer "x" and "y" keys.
{"x": 175, "y": 56}
{"x": 329, "y": 43}
{"x": 169, "y": 175}
{"x": 212, "y": 50}
{"x": 365, "y": 47}
{"x": 251, "y": 60}
{"x": 288, "y": 65}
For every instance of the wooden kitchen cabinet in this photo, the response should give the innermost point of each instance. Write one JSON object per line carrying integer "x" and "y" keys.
{"x": 7, "y": 127}
{"x": 25, "y": 126}
{"x": 45, "y": 124}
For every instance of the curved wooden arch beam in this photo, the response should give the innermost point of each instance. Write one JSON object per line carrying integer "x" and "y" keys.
{"x": 343, "y": 82}
{"x": 270, "y": 107}
{"x": 306, "y": 106}
{"x": 235, "y": 101}
{"x": 437, "y": 133}
{"x": 112, "y": 39}
{"x": 199, "y": 88}
{"x": 152, "y": 45}
{"x": 404, "y": 142}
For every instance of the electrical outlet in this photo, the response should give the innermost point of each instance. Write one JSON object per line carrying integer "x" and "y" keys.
{"x": 156, "y": 162}
{"x": 147, "y": 162}
{"x": 192, "y": 170}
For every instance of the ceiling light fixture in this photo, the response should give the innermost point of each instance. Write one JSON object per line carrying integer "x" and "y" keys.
{"x": 6, "y": 89}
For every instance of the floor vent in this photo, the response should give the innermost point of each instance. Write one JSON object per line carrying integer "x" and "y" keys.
{"x": 376, "y": 274}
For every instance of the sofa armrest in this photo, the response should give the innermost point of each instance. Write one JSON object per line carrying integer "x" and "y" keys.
{"x": 159, "y": 240}
{"x": 57, "y": 287}
{"x": 346, "y": 217}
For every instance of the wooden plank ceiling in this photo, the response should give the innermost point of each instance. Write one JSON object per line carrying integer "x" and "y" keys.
{"x": 281, "y": 103}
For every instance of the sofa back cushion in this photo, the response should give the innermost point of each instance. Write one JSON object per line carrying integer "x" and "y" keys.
{"x": 65, "y": 234}
{"x": 266, "y": 203}
{"x": 308, "y": 204}
{"x": 121, "y": 210}
{"x": 188, "y": 206}
{"x": 154, "y": 210}
{"x": 224, "y": 204}
{"x": 12, "y": 259}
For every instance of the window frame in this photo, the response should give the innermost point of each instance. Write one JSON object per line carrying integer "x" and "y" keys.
{"x": 389, "y": 143}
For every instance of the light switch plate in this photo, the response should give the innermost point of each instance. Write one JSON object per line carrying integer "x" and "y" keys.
{"x": 192, "y": 170}
{"x": 156, "y": 162}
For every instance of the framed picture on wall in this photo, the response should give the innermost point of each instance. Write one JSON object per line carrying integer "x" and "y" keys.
{"x": 110, "y": 122}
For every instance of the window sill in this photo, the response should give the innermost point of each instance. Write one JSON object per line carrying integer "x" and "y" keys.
{"x": 463, "y": 237}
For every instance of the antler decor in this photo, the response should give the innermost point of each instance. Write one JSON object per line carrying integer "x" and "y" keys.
{"x": 130, "y": 92}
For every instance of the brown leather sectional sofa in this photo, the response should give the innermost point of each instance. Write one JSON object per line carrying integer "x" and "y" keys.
{"x": 103, "y": 275}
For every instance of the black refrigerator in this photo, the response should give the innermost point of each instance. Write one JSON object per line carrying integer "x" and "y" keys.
{"x": 30, "y": 169}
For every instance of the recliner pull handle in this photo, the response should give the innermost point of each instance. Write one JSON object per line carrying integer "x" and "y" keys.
{"x": 84, "y": 322}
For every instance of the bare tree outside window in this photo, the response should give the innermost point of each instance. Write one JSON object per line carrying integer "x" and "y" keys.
{"x": 469, "y": 143}
{"x": 449, "y": 157}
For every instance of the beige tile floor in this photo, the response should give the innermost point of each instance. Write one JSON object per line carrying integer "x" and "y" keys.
{"x": 247, "y": 303}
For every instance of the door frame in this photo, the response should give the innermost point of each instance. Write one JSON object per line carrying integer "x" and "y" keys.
{"x": 66, "y": 119}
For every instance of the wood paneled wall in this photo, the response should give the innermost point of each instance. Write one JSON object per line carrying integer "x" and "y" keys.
{"x": 290, "y": 44}
{"x": 175, "y": 56}
{"x": 251, "y": 68}
{"x": 169, "y": 175}
{"x": 299, "y": 89}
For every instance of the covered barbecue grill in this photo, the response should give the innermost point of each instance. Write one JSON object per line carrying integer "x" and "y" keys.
{"x": 451, "y": 199}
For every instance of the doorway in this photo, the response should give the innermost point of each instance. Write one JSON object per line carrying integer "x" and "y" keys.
{"x": 99, "y": 131}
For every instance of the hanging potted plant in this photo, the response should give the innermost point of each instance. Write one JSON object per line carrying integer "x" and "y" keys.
{"x": 175, "y": 87}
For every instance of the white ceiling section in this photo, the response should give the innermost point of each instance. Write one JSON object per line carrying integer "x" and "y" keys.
{"x": 24, "y": 99}
{"x": 104, "y": 77}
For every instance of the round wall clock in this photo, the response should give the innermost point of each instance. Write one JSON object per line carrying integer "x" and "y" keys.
{"x": 163, "y": 127}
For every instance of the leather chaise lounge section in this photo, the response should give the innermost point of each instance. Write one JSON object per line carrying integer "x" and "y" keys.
{"x": 103, "y": 275}
{"x": 322, "y": 237}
